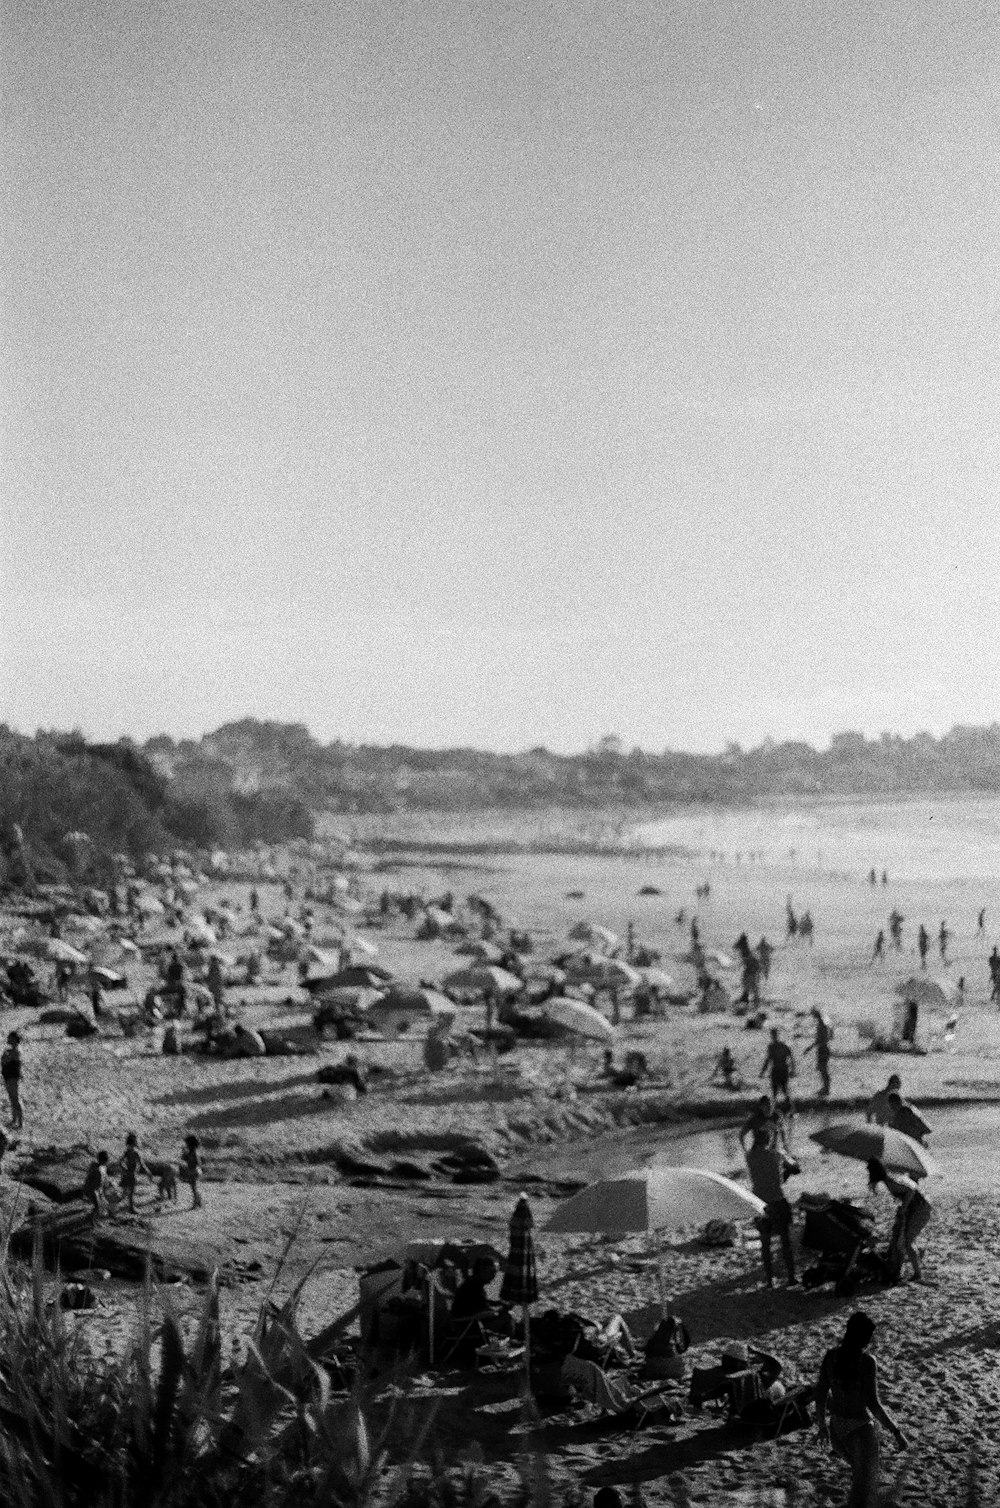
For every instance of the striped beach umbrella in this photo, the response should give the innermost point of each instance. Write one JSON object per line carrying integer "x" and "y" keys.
{"x": 520, "y": 1279}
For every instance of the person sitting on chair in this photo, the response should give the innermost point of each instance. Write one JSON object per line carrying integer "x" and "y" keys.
{"x": 472, "y": 1302}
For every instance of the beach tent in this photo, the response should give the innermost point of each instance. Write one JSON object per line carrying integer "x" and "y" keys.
{"x": 921, "y": 992}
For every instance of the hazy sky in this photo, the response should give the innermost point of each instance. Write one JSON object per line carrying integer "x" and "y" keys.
{"x": 461, "y": 372}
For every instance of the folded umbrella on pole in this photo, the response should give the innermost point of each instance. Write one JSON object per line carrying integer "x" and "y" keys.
{"x": 520, "y": 1279}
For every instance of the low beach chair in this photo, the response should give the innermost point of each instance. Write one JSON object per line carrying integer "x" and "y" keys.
{"x": 638, "y": 1407}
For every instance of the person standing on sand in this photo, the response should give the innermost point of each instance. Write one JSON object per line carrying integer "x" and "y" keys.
{"x": 821, "y": 1046}
{"x": 764, "y": 955}
{"x": 848, "y": 1386}
{"x": 994, "y": 968}
{"x": 190, "y": 1169}
{"x": 779, "y": 1064}
{"x": 766, "y": 1166}
{"x": 981, "y": 922}
{"x": 879, "y": 949}
{"x": 923, "y": 944}
{"x": 95, "y": 1183}
{"x": 132, "y": 1165}
{"x": 944, "y": 936}
{"x": 10, "y": 1068}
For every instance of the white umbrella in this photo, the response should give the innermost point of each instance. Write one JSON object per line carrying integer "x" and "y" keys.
{"x": 58, "y": 951}
{"x": 658, "y": 979}
{"x": 660, "y": 1198}
{"x": 483, "y": 979}
{"x": 579, "y": 1019}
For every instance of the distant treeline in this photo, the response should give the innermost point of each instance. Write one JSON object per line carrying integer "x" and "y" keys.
{"x": 261, "y": 781}
{"x": 364, "y": 778}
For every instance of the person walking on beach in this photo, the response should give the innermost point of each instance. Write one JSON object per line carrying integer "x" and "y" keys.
{"x": 95, "y": 1183}
{"x": 807, "y": 927}
{"x": 981, "y": 921}
{"x": 791, "y": 920}
{"x": 878, "y": 952}
{"x": 913, "y": 1215}
{"x": 994, "y": 967}
{"x": 896, "y": 920}
{"x": 820, "y": 1045}
{"x": 765, "y": 953}
{"x": 849, "y": 1409}
{"x": 190, "y": 1169}
{"x": 944, "y": 937}
{"x": 10, "y": 1069}
{"x": 779, "y": 1065}
{"x": 766, "y": 1166}
{"x": 923, "y": 944}
{"x": 132, "y": 1165}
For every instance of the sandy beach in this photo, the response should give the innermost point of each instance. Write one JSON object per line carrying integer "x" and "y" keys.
{"x": 279, "y": 1157}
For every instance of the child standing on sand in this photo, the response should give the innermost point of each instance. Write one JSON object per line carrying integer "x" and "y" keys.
{"x": 190, "y": 1169}
{"x": 132, "y": 1165}
{"x": 95, "y": 1183}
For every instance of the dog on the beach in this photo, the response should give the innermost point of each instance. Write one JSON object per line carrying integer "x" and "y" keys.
{"x": 166, "y": 1179}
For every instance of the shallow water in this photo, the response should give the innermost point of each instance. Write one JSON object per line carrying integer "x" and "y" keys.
{"x": 963, "y": 1141}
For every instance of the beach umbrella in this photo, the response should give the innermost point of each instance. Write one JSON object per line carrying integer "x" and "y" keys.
{"x": 150, "y": 906}
{"x": 484, "y": 979}
{"x": 520, "y": 1279}
{"x": 578, "y": 1019}
{"x": 601, "y": 937}
{"x": 720, "y": 959}
{"x": 482, "y": 952}
{"x": 615, "y": 975}
{"x": 361, "y": 945}
{"x": 929, "y": 991}
{"x": 399, "y": 1007}
{"x": 57, "y": 951}
{"x": 895, "y": 1150}
{"x": 658, "y": 979}
{"x": 648, "y": 1200}
{"x": 358, "y": 976}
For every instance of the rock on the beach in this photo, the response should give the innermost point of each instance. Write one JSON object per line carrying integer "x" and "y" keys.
{"x": 57, "y": 1172}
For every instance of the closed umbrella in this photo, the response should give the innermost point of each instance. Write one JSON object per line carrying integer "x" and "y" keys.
{"x": 520, "y": 1279}
{"x": 579, "y": 1019}
{"x": 864, "y": 1143}
{"x": 660, "y": 1198}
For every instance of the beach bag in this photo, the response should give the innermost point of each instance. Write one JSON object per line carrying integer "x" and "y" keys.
{"x": 718, "y": 1233}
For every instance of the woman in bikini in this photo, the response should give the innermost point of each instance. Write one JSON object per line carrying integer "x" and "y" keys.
{"x": 848, "y": 1388}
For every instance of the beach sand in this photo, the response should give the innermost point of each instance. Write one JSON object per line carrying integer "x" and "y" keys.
{"x": 272, "y": 1146}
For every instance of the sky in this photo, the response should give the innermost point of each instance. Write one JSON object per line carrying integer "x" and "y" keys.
{"x": 500, "y": 374}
